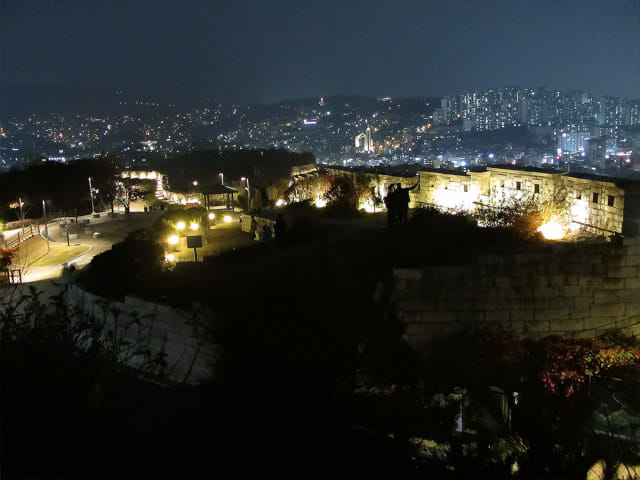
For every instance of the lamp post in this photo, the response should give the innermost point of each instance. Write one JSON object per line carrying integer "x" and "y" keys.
{"x": 248, "y": 193}
{"x": 222, "y": 178}
{"x": 21, "y": 214}
{"x": 46, "y": 227}
{"x": 93, "y": 210}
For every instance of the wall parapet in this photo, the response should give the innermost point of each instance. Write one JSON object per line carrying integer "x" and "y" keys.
{"x": 163, "y": 328}
{"x": 570, "y": 290}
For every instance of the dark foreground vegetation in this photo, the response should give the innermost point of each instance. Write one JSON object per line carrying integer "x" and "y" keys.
{"x": 314, "y": 379}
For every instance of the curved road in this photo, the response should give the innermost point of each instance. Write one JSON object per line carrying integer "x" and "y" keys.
{"x": 101, "y": 234}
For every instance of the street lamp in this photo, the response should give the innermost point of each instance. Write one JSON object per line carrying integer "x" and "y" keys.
{"x": 46, "y": 227}
{"x": 222, "y": 177}
{"x": 248, "y": 193}
{"x": 195, "y": 183}
{"x": 93, "y": 210}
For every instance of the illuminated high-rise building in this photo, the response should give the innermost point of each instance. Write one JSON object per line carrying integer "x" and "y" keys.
{"x": 364, "y": 141}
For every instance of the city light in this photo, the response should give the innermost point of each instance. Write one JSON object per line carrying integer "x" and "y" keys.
{"x": 173, "y": 240}
{"x": 181, "y": 225}
{"x": 170, "y": 257}
{"x": 212, "y": 216}
{"x": 194, "y": 226}
{"x": 227, "y": 219}
{"x": 279, "y": 202}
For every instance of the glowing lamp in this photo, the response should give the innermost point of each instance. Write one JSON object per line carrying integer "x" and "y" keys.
{"x": 280, "y": 202}
{"x": 173, "y": 240}
{"x": 227, "y": 218}
{"x": 170, "y": 257}
{"x": 180, "y": 225}
{"x": 194, "y": 226}
{"x": 212, "y": 216}
{"x": 552, "y": 231}
{"x": 321, "y": 203}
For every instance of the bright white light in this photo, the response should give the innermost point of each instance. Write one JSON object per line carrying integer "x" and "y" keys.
{"x": 552, "y": 231}
{"x": 183, "y": 201}
{"x": 194, "y": 226}
{"x": 173, "y": 240}
{"x": 212, "y": 216}
{"x": 170, "y": 257}
{"x": 195, "y": 182}
{"x": 320, "y": 202}
{"x": 181, "y": 225}
{"x": 227, "y": 218}
{"x": 280, "y": 202}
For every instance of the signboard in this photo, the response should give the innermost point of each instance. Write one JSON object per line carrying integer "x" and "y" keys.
{"x": 194, "y": 241}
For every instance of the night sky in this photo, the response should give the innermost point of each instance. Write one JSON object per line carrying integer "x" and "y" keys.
{"x": 269, "y": 50}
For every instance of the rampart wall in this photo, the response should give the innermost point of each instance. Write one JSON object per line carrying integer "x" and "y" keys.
{"x": 574, "y": 290}
{"x": 174, "y": 331}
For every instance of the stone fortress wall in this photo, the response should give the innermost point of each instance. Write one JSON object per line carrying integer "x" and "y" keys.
{"x": 189, "y": 359}
{"x": 601, "y": 205}
{"x": 572, "y": 290}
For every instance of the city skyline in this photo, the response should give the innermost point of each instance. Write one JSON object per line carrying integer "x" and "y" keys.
{"x": 267, "y": 51}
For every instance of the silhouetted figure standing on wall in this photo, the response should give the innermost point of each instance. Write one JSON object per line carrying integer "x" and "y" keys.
{"x": 391, "y": 206}
{"x": 403, "y": 200}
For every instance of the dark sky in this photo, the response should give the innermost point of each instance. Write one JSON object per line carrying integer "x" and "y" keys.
{"x": 268, "y": 50}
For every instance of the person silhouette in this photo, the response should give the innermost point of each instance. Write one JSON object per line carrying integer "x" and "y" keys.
{"x": 403, "y": 199}
{"x": 391, "y": 205}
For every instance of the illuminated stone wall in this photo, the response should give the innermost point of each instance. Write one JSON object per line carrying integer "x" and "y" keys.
{"x": 590, "y": 204}
{"x": 571, "y": 290}
{"x": 381, "y": 182}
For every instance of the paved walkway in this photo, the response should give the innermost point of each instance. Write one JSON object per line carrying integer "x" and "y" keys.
{"x": 102, "y": 233}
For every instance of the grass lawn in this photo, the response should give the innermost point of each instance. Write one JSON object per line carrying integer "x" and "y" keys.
{"x": 33, "y": 253}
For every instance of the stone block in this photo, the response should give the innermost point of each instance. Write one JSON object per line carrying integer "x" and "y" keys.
{"x": 521, "y": 316}
{"x": 541, "y": 281}
{"x": 607, "y": 310}
{"x": 558, "y": 302}
{"x": 475, "y": 317}
{"x": 544, "y": 292}
{"x": 502, "y": 281}
{"x": 498, "y": 316}
{"x": 621, "y": 272}
{"x": 438, "y": 317}
{"x": 628, "y": 296}
{"x": 632, "y": 309}
{"x": 599, "y": 322}
{"x": 612, "y": 283}
{"x": 570, "y": 291}
{"x": 487, "y": 303}
{"x": 632, "y": 261}
{"x": 407, "y": 273}
{"x": 632, "y": 283}
{"x": 536, "y": 326}
{"x": 599, "y": 269}
{"x": 572, "y": 279}
{"x": 519, "y": 281}
{"x": 604, "y": 296}
{"x": 557, "y": 280}
{"x": 409, "y": 317}
{"x": 631, "y": 242}
{"x": 580, "y": 303}
{"x": 589, "y": 281}
{"x": 551, "y": 314}
{"x": 566, "y": 324}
